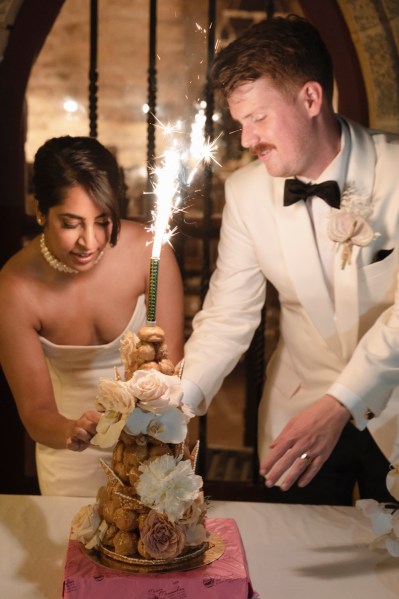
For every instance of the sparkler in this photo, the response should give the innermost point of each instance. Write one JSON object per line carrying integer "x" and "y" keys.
{"x": 167, "y": 189}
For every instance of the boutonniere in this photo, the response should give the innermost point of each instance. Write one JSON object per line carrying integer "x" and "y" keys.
{"x": 349, "y": 225}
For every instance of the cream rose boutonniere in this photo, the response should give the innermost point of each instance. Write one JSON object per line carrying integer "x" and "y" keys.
{"x": 348, "y": 226}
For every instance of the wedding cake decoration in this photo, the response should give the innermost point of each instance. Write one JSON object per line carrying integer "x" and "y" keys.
{"x": 152, "y": 508}
{"x": 384, "y": 516}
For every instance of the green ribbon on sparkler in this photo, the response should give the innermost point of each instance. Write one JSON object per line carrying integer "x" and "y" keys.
{"x": 152, "y": 292}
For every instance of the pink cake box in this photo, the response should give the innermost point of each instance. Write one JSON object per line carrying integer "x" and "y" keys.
{"x": 225, "y": 578}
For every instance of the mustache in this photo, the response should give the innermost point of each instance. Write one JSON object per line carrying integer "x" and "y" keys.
{"x": 260, "y": 148}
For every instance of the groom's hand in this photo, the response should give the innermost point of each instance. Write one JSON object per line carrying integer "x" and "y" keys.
{"x": 306, "y": 442}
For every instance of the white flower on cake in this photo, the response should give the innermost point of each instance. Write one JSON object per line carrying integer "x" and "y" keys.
{"x": 87, "y": 526}
{"x": 169, "y": 427}
{"x": 155, "y": 391}
{"x": 385, "y": 524}
{"x": 384, "y": 516}
{"x": 116, "y": 400}
{"x": 348, "y": 226}
{"x": 127, "y": 350}
{"x": 393, "y": 481}
{"x": 115, "y": 396}
{"x": 193, "y": 522}
{"x": 167, "y": 486}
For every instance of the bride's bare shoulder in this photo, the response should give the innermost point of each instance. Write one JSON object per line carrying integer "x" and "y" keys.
{"x": 24, "y": 270}
{"x": 20, "y": 287}
{"x": 134, "y": 228}
{"x": 134, "y": 235}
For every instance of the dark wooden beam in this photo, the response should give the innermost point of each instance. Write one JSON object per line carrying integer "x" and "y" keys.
{"x": 327, "y": 17}
{"x": 27, "y": 36}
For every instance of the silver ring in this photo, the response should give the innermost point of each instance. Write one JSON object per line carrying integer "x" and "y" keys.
{"x": 305, "y": 456}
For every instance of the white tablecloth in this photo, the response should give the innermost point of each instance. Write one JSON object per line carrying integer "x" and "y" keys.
{"x": 293, "y": 552}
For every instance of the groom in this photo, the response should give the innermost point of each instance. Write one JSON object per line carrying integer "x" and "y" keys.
{"x": 317, "y": 215}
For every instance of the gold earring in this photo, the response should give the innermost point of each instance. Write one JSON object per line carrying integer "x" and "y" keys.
{"x": 40, "y": 220}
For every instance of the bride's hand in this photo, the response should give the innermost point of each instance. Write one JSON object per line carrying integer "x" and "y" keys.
{"x": 83, "y": 431}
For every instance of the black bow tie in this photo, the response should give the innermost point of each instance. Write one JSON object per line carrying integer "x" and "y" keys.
{"x": 295, "y": 190}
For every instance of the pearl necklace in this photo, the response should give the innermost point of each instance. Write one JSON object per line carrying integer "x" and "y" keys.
{"x": 57, "y": 264}
{"x": 52, "y": 260}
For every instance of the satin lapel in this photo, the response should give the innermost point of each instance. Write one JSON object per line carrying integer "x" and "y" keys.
{"x": 361, "y": 169}
{"x": 303, "y": 265}
{"x": 347, "y": 301}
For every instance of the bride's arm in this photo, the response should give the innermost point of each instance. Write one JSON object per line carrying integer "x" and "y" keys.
{"x": 24, "y": 365}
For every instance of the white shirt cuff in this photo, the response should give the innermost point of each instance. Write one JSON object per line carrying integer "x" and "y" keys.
{"x": 193, "y": 397}
{"x": 353, "y": 403}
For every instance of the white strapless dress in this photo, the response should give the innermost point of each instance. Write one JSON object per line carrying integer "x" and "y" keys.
{"x": 75, "y": 372}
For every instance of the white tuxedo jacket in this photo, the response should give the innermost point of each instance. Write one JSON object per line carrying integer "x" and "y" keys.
{"x": 348, "y": 344}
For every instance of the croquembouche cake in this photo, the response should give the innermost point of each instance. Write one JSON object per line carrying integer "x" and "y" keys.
{"x": 152, "y": 508}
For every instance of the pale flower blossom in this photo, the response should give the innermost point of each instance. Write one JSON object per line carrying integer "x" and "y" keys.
{"x": 393, "y": 481}
{"x": 193, "y": 522}
{"x": 381, "y": 519}
{"x": 385, "y": 523}
{"x": 167, "y": 486}
{"x": 344, "y": 226}
{"x": 116, "y": 400}
{"x": 348, "y": 226}
{"x": 348, "y": 230}
{"x": 87, "y": 526}
{"x": 385, "y": 516}
{"x": 195, "y": 535}
{"x": 108, "y": 429}
{"x": 355, "y": 202}
{"x": 196, "y": 512}
{"x": 114, "y": 396}
{"x": 161, "y": 538}
{"x": 168, "y": 427}
{"x": 155, "y": 391}
{"x": 128, "y": 351}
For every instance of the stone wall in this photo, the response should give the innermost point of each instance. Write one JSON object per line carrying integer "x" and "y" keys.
{"x": 374, "y": 26}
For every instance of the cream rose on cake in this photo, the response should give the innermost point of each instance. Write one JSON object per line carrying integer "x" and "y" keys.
{"x": 148, "y": 403}
{"x": 154, "y": 391}
{"x": 87, "y": 526}
{"x": 116, "y": 401}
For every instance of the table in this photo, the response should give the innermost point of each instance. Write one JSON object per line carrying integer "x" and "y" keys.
{"x": 293, "y": 552}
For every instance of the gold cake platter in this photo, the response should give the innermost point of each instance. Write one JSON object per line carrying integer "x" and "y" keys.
{"x": 203, "y": 555}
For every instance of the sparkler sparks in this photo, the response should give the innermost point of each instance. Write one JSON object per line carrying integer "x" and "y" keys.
{"x": 168, "y": 186}
{"x": 165, "y": 189}
{"x": 177, "y": 170}
{"x": 170, "y": 177}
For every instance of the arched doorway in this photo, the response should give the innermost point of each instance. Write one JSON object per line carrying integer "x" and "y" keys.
{"x": 32, "y": 25}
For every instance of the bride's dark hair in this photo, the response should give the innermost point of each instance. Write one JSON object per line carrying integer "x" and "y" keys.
{"x": 65, "y": 162}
